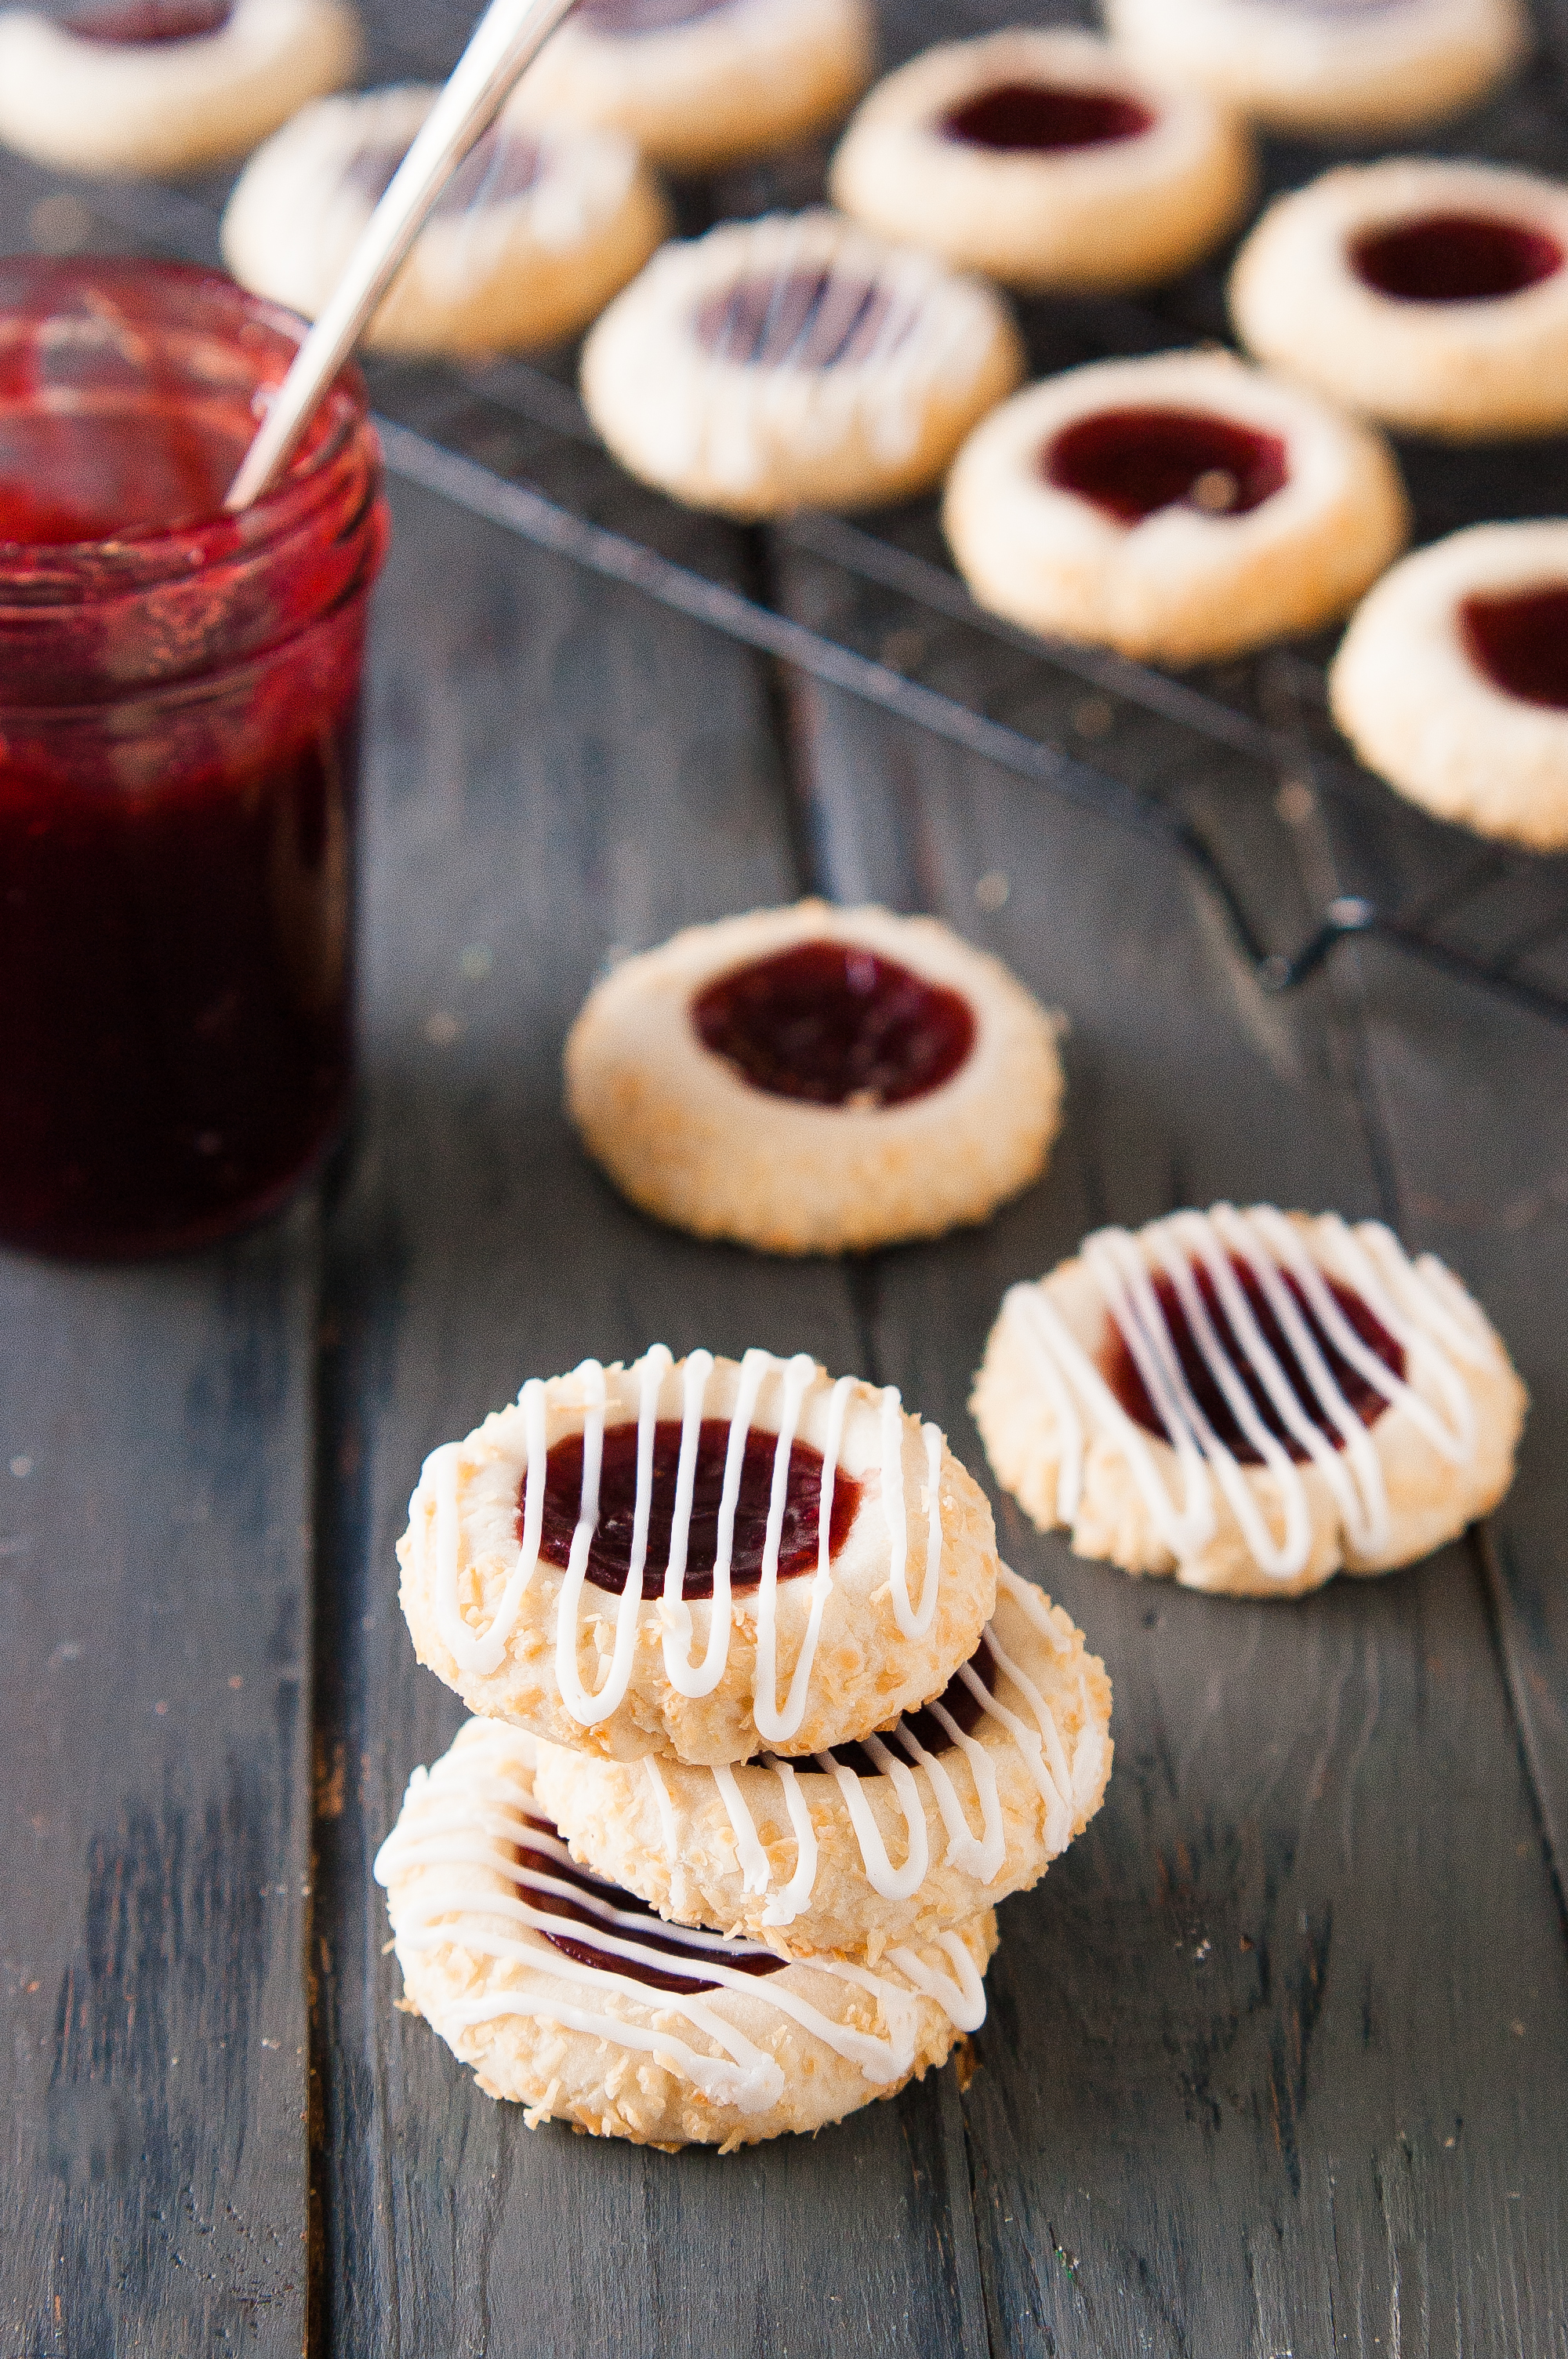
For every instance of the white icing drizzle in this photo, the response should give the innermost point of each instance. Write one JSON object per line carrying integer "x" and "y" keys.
{"x": 1419, "y": 1305}
{"x": 481, "y": 1818}
{"x": 484, "y": 1651}
{"x": 1067, "y": 1786}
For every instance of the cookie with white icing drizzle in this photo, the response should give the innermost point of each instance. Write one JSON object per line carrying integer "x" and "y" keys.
{"x": 703, "y": 83}
{"x": 701, "y": 1558}
{"x": 540, "y": 225}
{"x": 164, "y": 86}
{"x": 869, "y": 1845}
{"x": 1182, "y": 508}
{"x": 1251, "y": 1399}
{"x": 816, "y": 1079}
{"x": 1339, "y": 69}
{"x": 571, "y": 1997}
{"x": 1431, "y": 294}
{"x": 797, "y": 361}
{"x": 1047, "y": 160}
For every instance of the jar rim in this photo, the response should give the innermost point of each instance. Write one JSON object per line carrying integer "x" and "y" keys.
{"x": 181, "y": 303}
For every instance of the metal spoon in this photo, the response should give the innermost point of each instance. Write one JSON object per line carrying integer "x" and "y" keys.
{"x": 507, "y": 38}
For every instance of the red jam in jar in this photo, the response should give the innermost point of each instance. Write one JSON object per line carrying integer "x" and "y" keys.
{"x": 179, "y": 696}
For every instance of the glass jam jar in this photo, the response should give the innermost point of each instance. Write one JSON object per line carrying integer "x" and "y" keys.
{"x": 179, "y": 697}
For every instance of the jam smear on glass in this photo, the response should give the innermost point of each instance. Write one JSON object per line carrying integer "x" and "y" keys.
{"x": 609, "y": 1557}
{"x": 1454, "y": 258}
{"x": 809, "y": 319}
{"x": 149, "y": 23}
{"x": 500, "y": 166}
{"x": 1134, "y": 462}
{"x": 669, "y": 1941}
{"x": 957, "y": 1699}
{"x": 835, "y": 1025}
{"x": 1518, "y": 639}
{"x": 1120, "y": 1370}
{"x": 1038, "y": 118}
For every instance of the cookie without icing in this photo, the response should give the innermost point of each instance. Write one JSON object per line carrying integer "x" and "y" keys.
{"x": 570, "y": 1997}
{"x": 164, "y": 86}
{"x": 1452, "y": 681}
{"x": 633, "y": 1561}
{"x": 1342, "y": 68}
{"x": 795, "y": 362}
{"x": 698, "y": 83}
{"x": 1433, "y": 295}
{"x": 960, "y": 1805}
{"x": 1181, "y": 507}
{"x": 537, "y": 230}
{"x": 1045, "y": 160}
{"x": 814, "y": 1079}
{"x": 1251, "y": 1400}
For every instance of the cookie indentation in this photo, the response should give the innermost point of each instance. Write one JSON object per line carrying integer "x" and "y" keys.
{"x": 958, "y": 1699}
{"x": 147, "y": 24}
{"x": 601, "y": 1909}
{"x": 1360, "y": 1394}
{"x": 499, "y": 166}
{"x": 624, "y": 20}
{"x": 1519, "y": 640}
{"x": 609, "y": 1557}
{"x": 1132, "y": 462}
{"x": 836, "y": 1025}
{"x": 1039, "y": 117}
{"x": 1454, "y": 257}
{"x": 810, "y": 319}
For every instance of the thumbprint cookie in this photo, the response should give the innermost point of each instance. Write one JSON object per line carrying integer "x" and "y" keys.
{"x": 569, "y": 1996}
{"x": 703, "y": 83}
{"x": 1250, "y": 1400}
{"x": 814, "y": 1079}
{"x": 164, "y": 86}
{"x": 795, "y": 362}
{"x": 1452, "y": 681}
{"x": 1433, "y": 295}
{"x": 1180, "y": 507}
{"x": 891, "y": 1839}
{"x": 534, "y": 234}
{"x": 699, "y": 1557}
{"x": 1045, "y": 160}
{"x": 1338, "y": 69}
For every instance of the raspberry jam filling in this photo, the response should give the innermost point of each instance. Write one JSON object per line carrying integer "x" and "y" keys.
{"x": 1134, "y": 462}
{"x": 669, "y": 1941}
{"x": 1519, "y": 640}
{"x": 807, "y": 319}
{"x": 1454, "y": 259}
{"x": 1038, "y": 117}
{"x": 1120, "y": 1370}
{"x": 957, "y": 1699}
{"x": 836, "y": 1025}
{"x": 609, "y": 1558}
{"x": 147, "y": 24}
{"x": 499, "y": 166}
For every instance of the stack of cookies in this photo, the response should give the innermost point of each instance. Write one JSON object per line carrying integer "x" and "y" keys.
{"x": 764, "y": 1733}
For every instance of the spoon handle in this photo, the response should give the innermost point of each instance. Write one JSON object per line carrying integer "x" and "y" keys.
{"x": 507, "y": 38}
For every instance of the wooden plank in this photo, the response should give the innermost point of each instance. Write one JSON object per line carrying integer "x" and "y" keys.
{"x": 1259, "y": 2073}
{"x": 555, "y": 767}
{"x": 155, "y": 1451}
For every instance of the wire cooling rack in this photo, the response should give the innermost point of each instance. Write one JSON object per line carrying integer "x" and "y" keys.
{"x": 1227, "y": 767}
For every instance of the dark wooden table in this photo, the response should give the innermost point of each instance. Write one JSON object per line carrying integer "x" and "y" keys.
{"x": 1277, "y": 2057}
